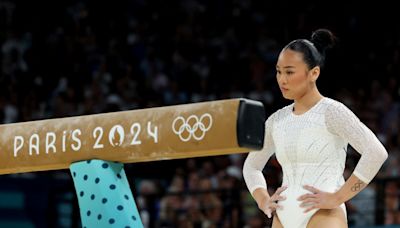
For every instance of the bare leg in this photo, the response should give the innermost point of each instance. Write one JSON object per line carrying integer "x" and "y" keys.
{"x": 276, "y": 223}
{"x": 328, "y": 218}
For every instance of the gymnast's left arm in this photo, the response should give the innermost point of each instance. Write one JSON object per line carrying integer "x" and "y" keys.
{"x": 343, "y": 122}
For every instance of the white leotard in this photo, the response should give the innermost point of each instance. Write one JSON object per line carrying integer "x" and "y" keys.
{"x": 311, "y": 149}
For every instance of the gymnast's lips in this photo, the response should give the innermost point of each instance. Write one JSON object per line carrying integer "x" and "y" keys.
{"x": 283, "y": 89}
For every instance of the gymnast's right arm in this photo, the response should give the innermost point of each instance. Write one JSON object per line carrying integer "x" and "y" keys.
{"x": 253, "y": 176}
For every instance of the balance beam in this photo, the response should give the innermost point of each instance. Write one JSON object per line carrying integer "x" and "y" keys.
{"x": 170, "y": 132}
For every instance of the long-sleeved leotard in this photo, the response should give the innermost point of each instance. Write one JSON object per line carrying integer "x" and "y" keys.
{"x": 311, "y": 149}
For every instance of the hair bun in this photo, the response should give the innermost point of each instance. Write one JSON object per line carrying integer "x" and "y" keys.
{"x": 323, "y": 39}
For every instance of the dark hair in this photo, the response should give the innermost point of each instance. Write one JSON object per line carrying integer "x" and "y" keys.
{"x": 314, "y": 50}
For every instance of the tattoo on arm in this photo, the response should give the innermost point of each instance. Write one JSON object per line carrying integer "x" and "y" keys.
{"x": 357, "y": 186}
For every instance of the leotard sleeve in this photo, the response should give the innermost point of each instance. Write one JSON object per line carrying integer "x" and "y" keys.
{"x": 343, "y": 122}
{"x": 256, "y": 160}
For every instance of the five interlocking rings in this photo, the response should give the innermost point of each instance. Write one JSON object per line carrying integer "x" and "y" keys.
{"x": 185, "y": 125}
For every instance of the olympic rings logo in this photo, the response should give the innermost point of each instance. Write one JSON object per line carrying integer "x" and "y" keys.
{"x": 197, "y": 130}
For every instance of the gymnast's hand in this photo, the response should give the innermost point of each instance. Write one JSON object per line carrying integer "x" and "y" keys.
{"x": 269, "y": 204}
{"x": 318, "y": 199}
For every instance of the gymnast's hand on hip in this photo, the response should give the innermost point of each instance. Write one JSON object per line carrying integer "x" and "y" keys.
{"x": 270, "y": 204}
{"x": 318, "y": 199}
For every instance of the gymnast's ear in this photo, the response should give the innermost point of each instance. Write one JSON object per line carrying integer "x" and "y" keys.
{"x": 314, "y": 73}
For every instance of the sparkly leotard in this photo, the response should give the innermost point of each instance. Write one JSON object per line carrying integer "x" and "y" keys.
{"x": 311, "y": 149}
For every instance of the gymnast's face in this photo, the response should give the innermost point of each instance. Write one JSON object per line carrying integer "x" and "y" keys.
{"x": 294, "y": 77}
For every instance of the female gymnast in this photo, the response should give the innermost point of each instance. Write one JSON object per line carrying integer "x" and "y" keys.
{"x": 309, "y": 138}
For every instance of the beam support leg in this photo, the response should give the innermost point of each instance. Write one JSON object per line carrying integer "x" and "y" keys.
{"x": 104, "y": 196}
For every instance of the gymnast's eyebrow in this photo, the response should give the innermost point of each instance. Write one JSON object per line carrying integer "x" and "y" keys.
{"x": 286, "y": 67}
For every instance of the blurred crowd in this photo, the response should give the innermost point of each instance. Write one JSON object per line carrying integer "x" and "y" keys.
{"x": 69, "y": 58}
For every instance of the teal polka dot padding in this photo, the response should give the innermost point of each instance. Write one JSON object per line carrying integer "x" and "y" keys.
{"x": 104, "y": 196}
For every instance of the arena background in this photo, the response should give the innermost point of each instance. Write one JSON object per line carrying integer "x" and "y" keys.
{"x": 70, "y": 58}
